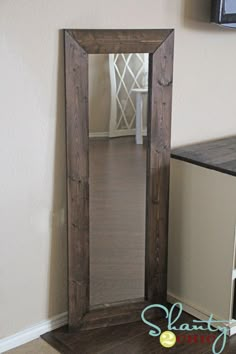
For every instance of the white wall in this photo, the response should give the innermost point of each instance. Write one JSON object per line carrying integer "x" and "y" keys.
{"x": 32, "y": 230}
{"x": 99, "y": 93}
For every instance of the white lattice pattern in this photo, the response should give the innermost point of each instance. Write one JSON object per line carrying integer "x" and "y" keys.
{"x": 127, "y": 72}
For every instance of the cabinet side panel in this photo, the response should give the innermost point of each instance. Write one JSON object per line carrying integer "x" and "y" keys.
{"x": 201, "y": 238}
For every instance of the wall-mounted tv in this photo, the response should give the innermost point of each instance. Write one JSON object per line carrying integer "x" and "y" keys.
{"x": 224, "y": 12}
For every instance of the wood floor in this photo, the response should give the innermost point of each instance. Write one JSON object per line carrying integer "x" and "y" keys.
{"x": 117, "y": 219}
{"x": 131, "y": 339}
{"x": 117, "y": 194}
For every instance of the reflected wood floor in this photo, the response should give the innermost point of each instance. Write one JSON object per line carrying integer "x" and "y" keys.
{"x": 117, "y": 219}
{"x": 117, "y": 185}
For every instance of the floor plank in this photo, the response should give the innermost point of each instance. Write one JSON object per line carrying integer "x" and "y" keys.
{"x": 133, "y": 338}
{"x": 117, "y": 169}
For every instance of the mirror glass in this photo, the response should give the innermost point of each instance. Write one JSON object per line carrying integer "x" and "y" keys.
{"x": 118, "y": 91}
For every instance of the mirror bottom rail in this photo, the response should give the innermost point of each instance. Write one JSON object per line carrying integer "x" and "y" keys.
{"x": 118, "y": 313}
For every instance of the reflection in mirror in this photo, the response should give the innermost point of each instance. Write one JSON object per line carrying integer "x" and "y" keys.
{"x": 117, "y": 162}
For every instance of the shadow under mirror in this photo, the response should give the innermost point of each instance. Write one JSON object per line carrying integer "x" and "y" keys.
{"x": 118, "y": 90}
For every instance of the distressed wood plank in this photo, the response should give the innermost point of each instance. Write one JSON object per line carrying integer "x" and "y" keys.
{"x": 77, "y": 43}
{"x": 76, "y": 66}
{"x": 120, "y": 41}
{"x": 158, "y": 166}
{"x": 218, "y": 155}
{"x": 119, "y": 313}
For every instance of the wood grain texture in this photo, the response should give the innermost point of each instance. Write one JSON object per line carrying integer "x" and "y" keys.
{"x": 117, "y": 185}
{"x": 132, "y": 338}
{"x": 120, "y": 41}
{"x": 77, "y": 45}
{"x": 76, "y": 67}
{"x": 218, "y": 155}
{"x": 115, "y": 314}
{"x": 158, "y": 166}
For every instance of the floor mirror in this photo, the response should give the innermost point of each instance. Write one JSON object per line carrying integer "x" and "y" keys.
{"x": 118, "y": 129}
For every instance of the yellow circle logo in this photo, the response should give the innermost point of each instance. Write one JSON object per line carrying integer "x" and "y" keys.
{"x": 168, "y": 339}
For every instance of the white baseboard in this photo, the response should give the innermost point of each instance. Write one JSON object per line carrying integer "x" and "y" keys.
{"x": 55, "y": 322}
{"x": 124, "y": 132}
{"x": 99, "y": 135}
{"x": 33, "y": 332}
{"x": 199, "y": 313}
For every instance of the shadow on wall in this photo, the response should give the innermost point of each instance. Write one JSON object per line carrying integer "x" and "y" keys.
{"x": 196, "y": 14}
{"x": 175, "y": 243}
{"x": 58, "y": 257}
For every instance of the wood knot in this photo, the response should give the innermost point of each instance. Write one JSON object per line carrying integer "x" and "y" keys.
{"x": 165, "y": 84}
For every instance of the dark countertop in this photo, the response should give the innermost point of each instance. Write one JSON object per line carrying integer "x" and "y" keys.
{"x": 218, "y": 155}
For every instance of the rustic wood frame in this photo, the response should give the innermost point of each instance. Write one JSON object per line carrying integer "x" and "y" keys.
{"x": 78, "y": 44}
